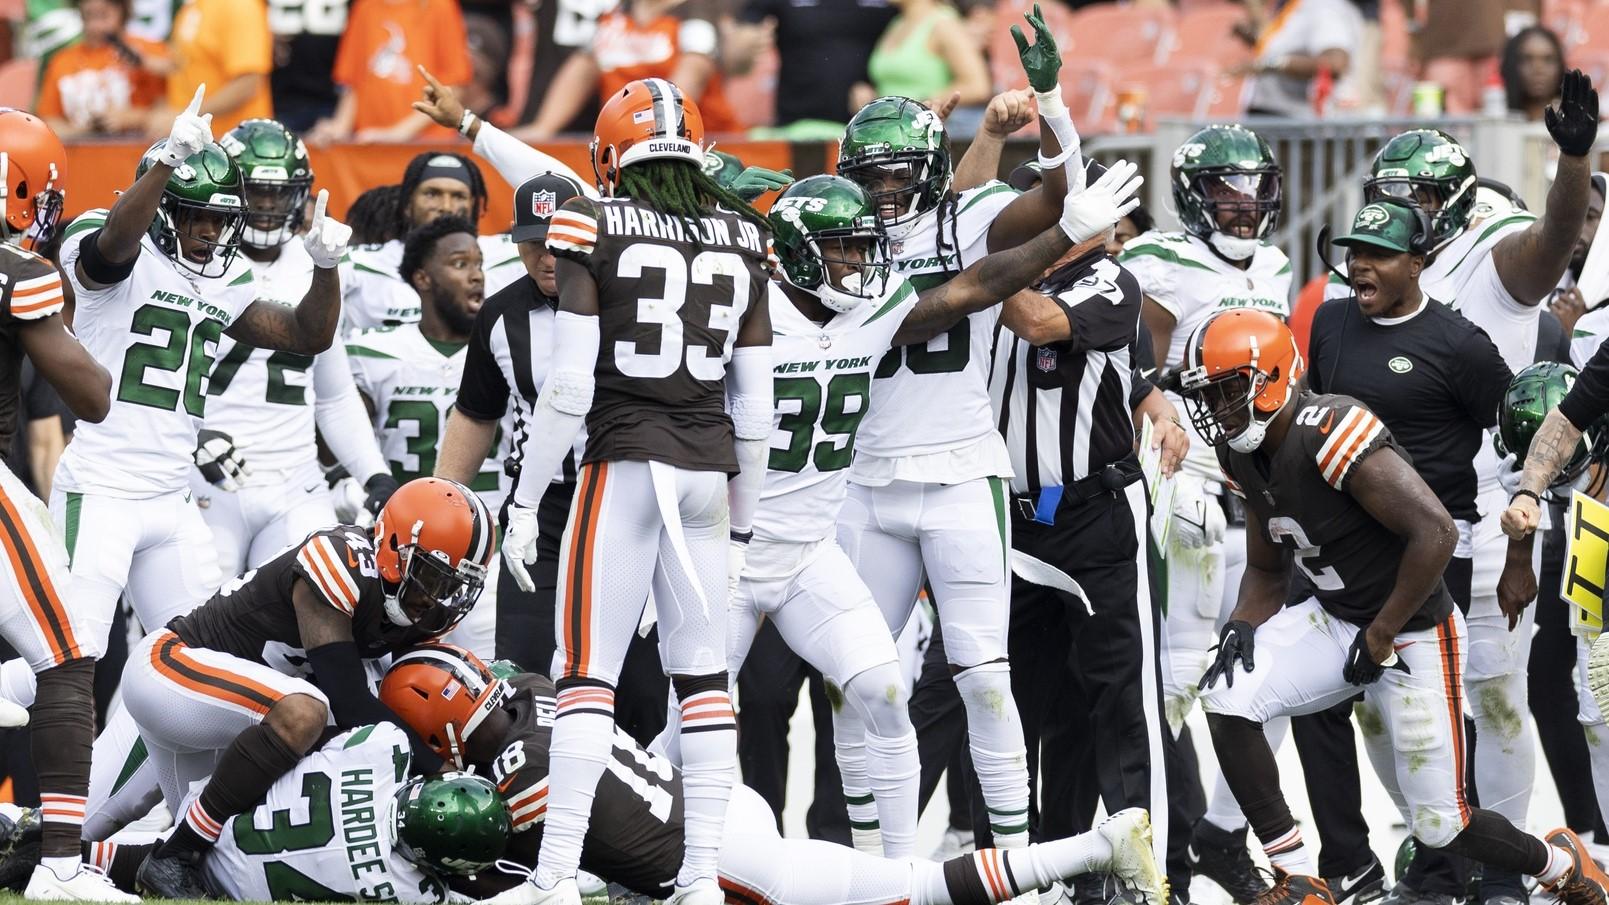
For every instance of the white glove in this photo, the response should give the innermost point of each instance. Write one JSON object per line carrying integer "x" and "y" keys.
{"x": 519, "y": 545}
{"x": 737, "y": 556}
{"x": 192, "y": 131}
{"x": 1090, "y": 213}
{"x": 1508, "y": 474}
{"x": 349, "y": 497}
{"x": 220, "y": 460}
{"x": 327, "y": 237}
{"x": 1198, "y": 517}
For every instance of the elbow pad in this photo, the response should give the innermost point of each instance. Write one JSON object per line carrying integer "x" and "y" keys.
{"x": 569, "y": 392}
{"x": 575, "y": 357}
{"x": 749, "y": 399}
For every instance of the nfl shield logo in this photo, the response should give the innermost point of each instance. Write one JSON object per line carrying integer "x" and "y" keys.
{"x": 542, "y": 204}
{"x": 1046, "y": 361}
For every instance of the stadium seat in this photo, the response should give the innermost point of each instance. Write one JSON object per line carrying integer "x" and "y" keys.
{"x": 1123, "y": 35}
{"x": 1227, "y": 96}
{"x": 1087, "y": 89}
{"x": 1178, "y": 89}
{"x": 1204, "y": 32}
{"x": 18, "y": 79}
{"x": 753, "y": 96}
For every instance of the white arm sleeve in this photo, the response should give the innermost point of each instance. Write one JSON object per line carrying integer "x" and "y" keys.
{"x": 749, "y": 401}
{"x": 342, "y": 420}
{"x": 517, "y": 161}
{"x": 562, "y": 405}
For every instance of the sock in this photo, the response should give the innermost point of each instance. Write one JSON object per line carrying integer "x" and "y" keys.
{"x": 248, "y": 768}
{"x": 583, "y": 736}
{"x": 892, "y": 770}
{"x": 118, "y": 861}
{"x": 1287, "y": 853}
{"x": 709, "y": 767}
{"x": 849, "y": 749}
{"x": 999, "y": 757}
{"x": 990, "y": 875}
{"x": 63, "y": 868}
{"x": 1559, "y": 865}
{"x": 1223, "y": 811}
{"x": 63, "y": 720}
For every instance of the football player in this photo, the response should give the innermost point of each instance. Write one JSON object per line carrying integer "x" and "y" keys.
{"x": 207, "y": 703}
{"x": 435, "y": 184}
{"x": 504, "y": 729}
{"x": 157, "y": 281}
{"x": 409, "y": 376}
{"x": 264, "y": 404}
{"x": 59, "y": 638}
{"x": 924, "y": 491}
{"x": 1495, "y": 264}
{"x": 1226, "y": 189}
{"x": 661, "y": 310}
{"x": 1327, "y": 487}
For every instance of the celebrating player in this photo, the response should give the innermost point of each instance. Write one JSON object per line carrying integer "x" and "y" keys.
{"x": 1324, "y": 479}
{"x": 503, "y": 728}
{"x": 661, "y": 309}
{"x": 206, "y": 701}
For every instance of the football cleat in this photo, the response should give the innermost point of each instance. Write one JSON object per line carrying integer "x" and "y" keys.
{"x": 1221, "y": 856}
{"x": 1585, "y": 883}
{"x": 1296, "y": 889}
{"x": 1365, "y": 887}
{"x": 703, "y": 892}
{"x": 954, "y": 844}
{"x": 528, "y": 893}
{"x": 19, "y": 848}
{"x": 171, "y": 877}
{"x": 1133, "y": 864}
{"x": 87, "y": 885}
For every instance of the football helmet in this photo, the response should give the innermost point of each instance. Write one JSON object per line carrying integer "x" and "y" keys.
{"x": 1430, "y": 167}
{"x": 896, "y": 149}
{"x": 32, "y": 161}
{"x": 1226, "y": 169}
{"x": 828, "y": 219}
{"x": 442, "y": 692}
{"x": 455, "y": 823}
{"x": 1534, "y": 391}
{"x": 1241, "y": 368}
{"x": 273, "y": 164}
{"x": 649, "y": 119}
{"x": 207, "y": 183}
{"x": 433, "y": 542}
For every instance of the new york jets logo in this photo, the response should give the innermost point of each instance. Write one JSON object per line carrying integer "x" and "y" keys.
{"x": 1400, "y": 365}
{"x": 1451, "y": 152}
{"x": 1372, "y": 218}
{"x": 1188, "y": 151}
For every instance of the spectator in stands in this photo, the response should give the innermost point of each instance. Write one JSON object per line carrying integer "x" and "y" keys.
{"x": 822, "y": 49}
{"x": 489, "y": 47}
{"x": 225, "y": 45}
{"x": 377, "y": 69}
{"x": 928, "y": 54}
{"x": 563, "y": 27}
{"x": 1532, "y": 69}
{"x": 108, "y": 82}
{"x": 642, "y": 39}
{"x": 1293, "y": 41}
{"x": 306, "y": 38}
{"x": 1459, "y": 41}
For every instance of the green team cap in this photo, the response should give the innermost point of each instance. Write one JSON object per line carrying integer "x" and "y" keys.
{"x": 1388, "y": 226}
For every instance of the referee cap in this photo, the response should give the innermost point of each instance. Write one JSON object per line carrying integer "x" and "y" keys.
{"x": 1388, "y": 226}
{"x": 537, "y": 200}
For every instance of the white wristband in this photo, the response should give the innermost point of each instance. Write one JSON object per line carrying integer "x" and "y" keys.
{"x": 1050, "y": 103}
{"x": 465, "y": 122}
{"x": 1050, "y": 163}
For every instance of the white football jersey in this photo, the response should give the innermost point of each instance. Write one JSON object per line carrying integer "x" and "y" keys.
{"x": 822, "y": 389}
{"x": 374, "y": 295}
{"x": 905, "y": 439}
{"x": 413, "y": 385}
{"x": 157, "y": 334}
{"x": 323, "y": 832}
{"x": 1182, "y": 274}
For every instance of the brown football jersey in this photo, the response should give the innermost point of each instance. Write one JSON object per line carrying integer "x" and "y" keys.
{"x": 1300, "y": 495}
{"x": 30, "y": 289}
{"x": 671, "y": 294}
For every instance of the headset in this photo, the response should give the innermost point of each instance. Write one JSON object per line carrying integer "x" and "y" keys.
{"x": 1420, "y": 243}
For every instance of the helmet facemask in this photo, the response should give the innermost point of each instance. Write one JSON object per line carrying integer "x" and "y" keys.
{"x": 862, "y": 251}
{"x": 274, "y": 210}
{"x": 1223, "y": 407}
{"x": 1449, "y": 206}
{"x": 433, "y": 595}
{"x": 1252, "y": 196}
{"x": 902, "y": 185}
{"x": 176, "y": 225}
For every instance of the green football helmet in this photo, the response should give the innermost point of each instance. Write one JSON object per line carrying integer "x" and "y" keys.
{"x": 1430, "y": 167}
{"x": 456, "y": 823}
{"x": 273, "y": 163}
{"x": 204, "y": 191}
{"x": 896, "y": 149}
{"x": 1227, "y": 170}
{"x": 1535, "y": 391}
{"x": 504, "y": 669}
{"x": 829, "y": 220}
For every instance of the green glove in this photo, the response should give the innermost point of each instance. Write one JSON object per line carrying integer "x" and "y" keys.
{"x": 1041, "y": 60}
{"x": 722, "y": 167}
{"x": 756, "y": 181}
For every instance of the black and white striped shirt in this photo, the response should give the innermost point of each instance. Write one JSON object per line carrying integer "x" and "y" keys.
{"x": 1064, "y": 408}
{"x": 500, "y": 366}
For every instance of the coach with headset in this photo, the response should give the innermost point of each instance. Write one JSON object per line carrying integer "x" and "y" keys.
{"x": 1437, "y": 381}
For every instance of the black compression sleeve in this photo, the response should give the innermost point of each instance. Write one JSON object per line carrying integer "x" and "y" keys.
{"x": 95, "y": 265}
{"x": 338, "y": 672}
{"x": 1589, "y": 398}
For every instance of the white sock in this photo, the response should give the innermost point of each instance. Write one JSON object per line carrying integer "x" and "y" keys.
{"x": 849, "y": 748}
{"x": 1560, "y": 863}
{"x": 1289, "y": 854}
{"x": 999, "y": 757}
{"x": 893, "y": 772}
{"x": 583, "y": 738}
{"x": 709, "y": 767}
{"x": 65, "y": 868}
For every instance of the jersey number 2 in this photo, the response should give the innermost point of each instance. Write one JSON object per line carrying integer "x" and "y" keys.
{"x": 1324, "y": 577}
{"x": 665, "y": 312}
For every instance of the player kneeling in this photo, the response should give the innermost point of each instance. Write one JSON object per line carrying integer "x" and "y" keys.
{"x": 1324, "y": 479}
{"x": 504, "y": 729}
{"x": 207, "y": 702}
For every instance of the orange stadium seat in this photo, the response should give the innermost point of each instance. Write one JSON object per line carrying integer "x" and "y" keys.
{"x": 18, "y": 79}
{"x": 1204, "y": 32}
{"x": 1123, "y": 35}
{"x": 1178, "y": 89}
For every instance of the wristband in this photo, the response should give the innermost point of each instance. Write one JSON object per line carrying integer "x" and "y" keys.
{"x": 1050, "y": 103}
{"x": 465, "y": 122}
{"x": 1051, "y": 163}
{"x": 742, "y": 537}
{"x": 1524, "y": 492}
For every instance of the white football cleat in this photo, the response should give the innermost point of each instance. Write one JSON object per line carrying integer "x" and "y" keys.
{"x": 590, "y": 884}
{"x": 1129, "y": 832}
{"x": 88, "y": 885}
{"x": 12, "y": 714}
{"x": 528, "y": 893}
{"x": 703, "y": 892}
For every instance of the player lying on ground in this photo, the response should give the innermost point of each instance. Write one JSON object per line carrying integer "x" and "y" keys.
{"x": 503, "y": 729}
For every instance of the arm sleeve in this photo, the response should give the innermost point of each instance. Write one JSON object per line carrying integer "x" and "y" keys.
{"x": 749, "y": 399}
{"x": 562, "y": 406}
{"x": 1483, "y": 378}
{"x": 517, "y": 161}
{"x": 342, "y": 420}
{"x": 482, "y": 391}
{"x": 1589, "y": 398}
{"x": 338, "y": 672}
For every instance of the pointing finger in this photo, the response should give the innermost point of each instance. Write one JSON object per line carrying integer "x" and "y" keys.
{"x": 195, "y": 102}
{"x": 429, "y": 79}
{"x": 320, "y": 205}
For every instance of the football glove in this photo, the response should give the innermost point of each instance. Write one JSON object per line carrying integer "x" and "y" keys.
{"x": 756, "y": 181}
{"x": 219, "y": 459}
{"x": 1360, "y": 668}
{"x": 1574, "y": 125}
{"x": 519, "y": 545}
{"x": 191, "y": 132}
{"x": 1235, "y": 642}
{"x": 1040, "y": 60}
{"x": 1198, "y": 517}
{"x": 327, "y": 237}
{"x": 1099, "y": 206}
{"x": 377, "y": 490}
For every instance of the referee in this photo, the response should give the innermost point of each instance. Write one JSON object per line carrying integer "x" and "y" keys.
{"x": 1437, "y": 381}
{"x": 1061, "y": 389}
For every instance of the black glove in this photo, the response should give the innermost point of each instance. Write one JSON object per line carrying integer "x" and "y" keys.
{"x": 1234, "y": 643}
{"x": 380, "y": 488}
{"x": 1360, "y": 668}
{"x": 1574, "y": 125}
{"x": 219, "y": 459}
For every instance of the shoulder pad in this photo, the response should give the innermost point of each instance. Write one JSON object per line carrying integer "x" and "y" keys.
{"x": 335, "y": 562}
{"x": 1341, "y": 431}
{"x": 574, "y": 227}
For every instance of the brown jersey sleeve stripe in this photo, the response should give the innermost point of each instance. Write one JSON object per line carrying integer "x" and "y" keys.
{"x": 33, "y": 578}
{"x": 171, "y": 662}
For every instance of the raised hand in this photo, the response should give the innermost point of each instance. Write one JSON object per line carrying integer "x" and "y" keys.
{"x": 440, "y": 103}
{"x": 191, "y": 131}
{"x": 1041, "y": 60}
{"x": 327, "y": 237}
{"x": 756, "y": 181}
{"x": 1007, "y": 112}
{"x": 1574, "y": 123}
{"x": 1097, "y": 208}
